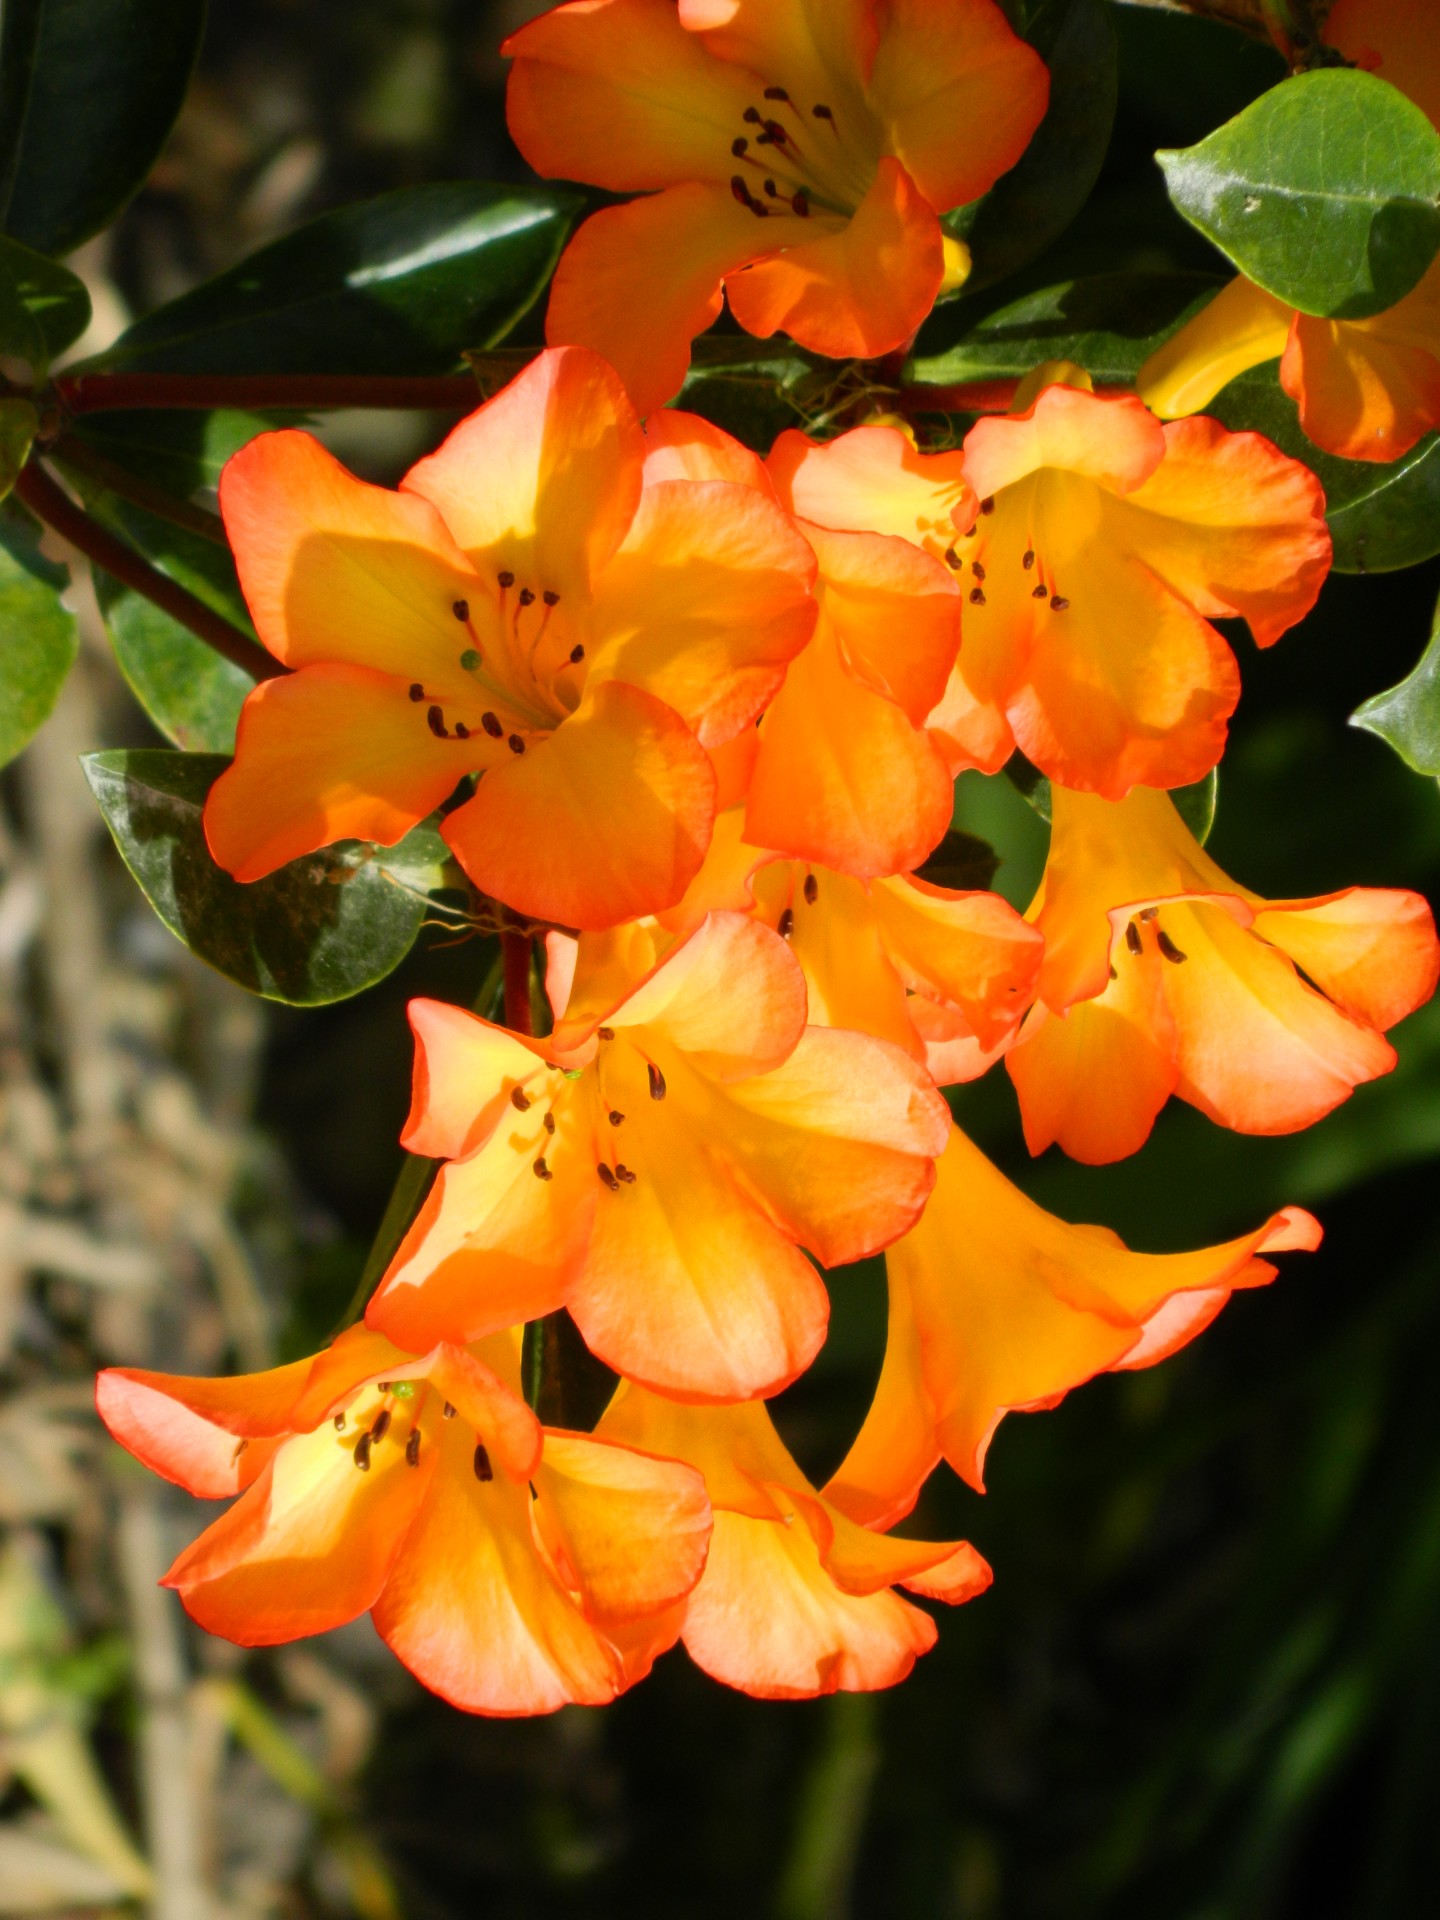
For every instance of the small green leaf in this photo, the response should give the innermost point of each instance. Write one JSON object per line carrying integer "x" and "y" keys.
{"x": 38, "y": 638}
{"x": 1195, "y": 804}
{"x": 18, "y": 421}
{"x": 963, "y": 862}
{"x": 401, "y": 284}
{"x": 1323, "y": 191}
{"x": 1408, "y": 716}
{"x": 93, "y": 89}
{"x": 321, "y": 929}
{"x": 43, "y": 307}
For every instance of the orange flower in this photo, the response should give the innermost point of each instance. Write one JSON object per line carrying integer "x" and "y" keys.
{"x": 523, "y": 608}
{"x": 1366, "y": 389}
{"x": 997, "y": 1307}
{"x": 653, "y": 1165}
{"x": 511, "y": 1569}
{"x": 796, "y": 1598}
{"x": 1105, "y": 546}
{"x": 1163, "y": 976}
{"x": 796, "y": 154}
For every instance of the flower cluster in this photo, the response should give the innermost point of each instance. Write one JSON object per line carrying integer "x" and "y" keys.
{"x": 694, "y": 719}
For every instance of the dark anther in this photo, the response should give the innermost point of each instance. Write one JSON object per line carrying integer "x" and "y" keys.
{"x": 507, "y": 579}
{"x": 1134, "y": 939}
{"x": 811, "y": 889}
{"x": 1168, "y": 947}
{"x": 615, "y": 1117}
{"x": 776, "y": 132}
{"x": 785, "y": 925}
{"x": 577, "y": 654}
{"x": 952, "y": 558}
{"x": 550, "y": 597}
{"x": 483, "y": 1468}
{"x": 491, "y": 725}
{"x": 339, "y": 1423}
{"x": 607, "y": 1177}
{"x": 776, "y": 93}
{"x": 740, "y": 191}
{"x": 772, "y": 189}
{"x": 622, "y": 1172}
{"x": 987, "y": 505}
{"x": 977, "y": 569}
{"x": 1147, "y": 914}
{"x": 799, "y": 204}
{"x": 738, "y": 146}
{"x": 435, "y": 720}
{"x": 1114, "y": 973}
{"x": 1041, "y": 592}
{"x": 822, "y": 113}
{"x": 447, "y": 1412}
{"x": 412, "y": 1448}
{"x": 1058, "y": 603}
{"x": 382, "y": 1424}
{"x": 361, "y": 1455}
{"x": 461, "y": 609}
{"x": 470, "y": 659}
{"x": 527, "y": 598}
{"x": 1029, "y": 560}
{"x": 657, "y": 1081}
{"x": 417, "y": 692}
{"x": 752, "y": 116}
{"x": 549, "y": 1123}
{"x": 977, "y": 596}
{"x": 606, "y": 1033}
{"x": 519, "y": 1099}
{"x": 516, "y": 744}
{"x": 462, "y": 732}
{"x": 541, "y": 1170}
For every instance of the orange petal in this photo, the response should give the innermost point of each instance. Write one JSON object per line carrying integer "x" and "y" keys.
{"x": 604, "y": 821}
{"x": 683, "y": 446}
{"x": 1372, "y": 950}
{"x": 970, "y": 731}
{"x": 1394, "y": 38}
{"x": 465, "y": 1072}
{"x": 473, "y": 1610}
{"x": 335, "y": 569}
{"x": 825, "y": 52}
{"x": 639, "y": 281}
{"x": 1242, "y": 327}
{"x": 859, "y": 1561}
{"x": 329, "y": 753}
{"x": 735, "y": 1448}
{"x": 969, "y": 949}
{"x": 1095, "y": 1077}
{"x": 705, "y": 604}
{"x": 958, "y": 93}
{"x": 873, "y": 480}
{"x": 856, "y": 292}
{"x": 544, "y": 479}
{"x": 898, "y": 1446}
{"x": 1369, "y": 389}
{"x": 488, "y": 1407}
{"x": 1112, "y": 439}
{"x": 186, "y": 1429}
{"x": 834, "y": 936}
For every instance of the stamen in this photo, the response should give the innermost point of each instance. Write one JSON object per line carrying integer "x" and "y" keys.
{"x": 469, "y": 660}
{"x": 483, "y": 1469}
{"x": 1041, "y": 592}
{"x": 823, "y": 113}
{"x": 516, "y": 744}
{"x": 506, "y": 580}
{"x": 811, "y": 889}
{"x": 607, "y": 1178}
{"x": 1114, "y": 973}
{"x": 491, "y": 725}
{"x": 753, "y": 117}
{"x": 339, "y": 1423}
{"x": 417, "y": 692}
{"x": 435, "y": 719}
{"x": 382, "y": 1424}
{"x": 606, "y": 1033}
{"x": 772, "y": 190}
{"x": 1147, "y": 914}
{"x": 1029, "y": 559}
{"x": 577, "y": 654}
{"x": 977, "y": 569}
{"x": 361, "y": 1455}
{"x": 738, "y": 146}
{"x": 987, "y": 505}
{"x": 952, "y": 558}
{"x": 1058, "y": 603}
{"x": 519, "y": 1099}
{"x": 1134, "y": 939}
{"x": 622, "y": 1172}
{"x": 799, "y": 204}
{"x": 776, "y": 132}
{"x": 1168, "y": 947}
{"x": 447, "y": 1412}
{"x": 527, "y": 598}
{"x": 785, "y": 925}
{"x": 615, "y": 1117}
{"x": 412, "y": 1448}
{"x": 977, "y": 596}
{"x": 541, "y": 1170}
{"x": 461, "y": 609}
{"x": 551, "y": 598}
{"x": 776, "y": 93}
{"x": 549, "y": 1123}
{"x": 657, "y": 1081}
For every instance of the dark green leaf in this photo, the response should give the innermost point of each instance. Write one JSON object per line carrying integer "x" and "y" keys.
{"x": 755, "y": 389}
{"x": 1195, "y": 804}
{"x": 320, "y": 929}
{"x": 18, "y": 421}
{"x": 1031, "y": 205}
{"x": 1109, "y": 324}
{"x": 1323, "y": 191}
{"x": 43, "y": 307}
{"x": 95, "y": 94}
{"x": 963, "y": 862}
{"x": 1383, "y": 515}
{"x": 402, "y": 284}
{"x": 174, "y": 448}
{"x": 1408, "y": 716}
{"x": 37, "y": 636}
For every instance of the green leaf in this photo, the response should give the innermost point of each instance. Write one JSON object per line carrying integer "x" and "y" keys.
{"x": 1195, "y": 804}
{"x": 401, "y": 284}
{"x": 321, "y": 929}
{"x": 1323, "y": 191}
{"x": 18, "y": 421}
{"x": 1031, "y": 205}
{"x": 175, "y": 448}
{"x": 1382, "y": 515}
{"x": 43, "y": 307}
{"x": 1108, "y": 323}
{"x": 755, "y": 389}
{"x": 93, "y": 87}
{"x": 963, "y": 862}
{"x": 38, "y": 637}
{"x": 1407, "y": 717}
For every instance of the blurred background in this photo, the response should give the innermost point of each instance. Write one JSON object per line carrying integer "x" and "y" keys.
{"x": 1206, "y": 1684}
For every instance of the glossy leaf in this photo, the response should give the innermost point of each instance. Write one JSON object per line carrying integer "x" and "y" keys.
{"x": 962, "y": 861}
{"x": 1108, "y": 323}
{"x": 401, "y": 284}
{"x": 43, "y": 307}
{"x": 1407, "y": 717}
{"x": 1195, "y": 804}
{"x": 321, "y": 929}
{"x": 38, "y": 637}
{"x": 175, "y": 448}
{"x": 94, "y": 88}
{"x": 1323, "y": 191}
{"x": 1031, "y": 205}
{"x": 18, "y": 421}
{"x": 1382, "y": 516}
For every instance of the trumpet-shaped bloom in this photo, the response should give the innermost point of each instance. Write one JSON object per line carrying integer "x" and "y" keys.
{"x": 796, "y": 1598}
{"x": 794, "y": 152}
{"x": 1162, "y": 976}
{"x": 1366, "y": 389}
{"x": 997, "y": 1307}
{"x": 653, "y": 1166}
{"x": 1105, "y": 545}
{"x": 524, "y": 609}
{"x": 512, "y": 1569}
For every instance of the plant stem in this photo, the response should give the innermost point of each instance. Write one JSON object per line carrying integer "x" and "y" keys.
{"x": 265, "y": 392}
{"x": 972, "y": 396}
{"x": 516, "y": 949}
{"x": 49, "y": 502}
{"x": 71, "y": 451}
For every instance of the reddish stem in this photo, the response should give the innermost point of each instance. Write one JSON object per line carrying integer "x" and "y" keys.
{"x": 973, "y": 396}
{"x": 49, "y": 502}
{"x": 516, "y": 949}
{"x": 261, "y": 392}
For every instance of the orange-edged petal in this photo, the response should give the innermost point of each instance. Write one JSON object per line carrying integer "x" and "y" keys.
{"x": 1369, "y": 389}
{"x": 628, "y": 1531}
{"x": 823, "y": 47}
{"x": 333, "y": 568}
{"x": 489, "y": 1407}
{"x": 967, "y": 948}
{"x": 1112, "y": 439}
{"x": 833, "y": 934}
{"x": 735, "y": 1448}
{"x": 1394, "y": 38}
{"x": 970, "y": 730}
{"x": 856, "y": 292}
{"x": 683, "y": 446}
{"x": 1239, "y": 329}
{"x": 329, "y": 753}
{"x": 544, "y": 479}
{"x": 898, "y": 1445}
{"x": 873, "y": 480}
{"x": 958, "y": 93}
{"x": 638, "y": 282}
{"x": 186, "y": 1429}
{"x": 1372, "y": 950}
{"x": 705, "y": 604}
{"x": 604, "y": 821}
{"x": 465, "y": 1072}
{"x": 860, "y": 1561}
{"x": 473, "y": 1610}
